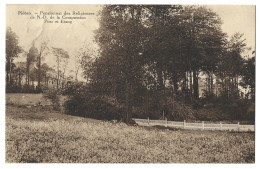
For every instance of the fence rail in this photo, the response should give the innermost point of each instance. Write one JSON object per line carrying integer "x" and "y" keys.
{"x": 195, "y": 126}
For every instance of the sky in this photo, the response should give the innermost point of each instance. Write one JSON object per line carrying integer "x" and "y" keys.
{"x": 69, "y": 37}
{"x": 236, "y": 18}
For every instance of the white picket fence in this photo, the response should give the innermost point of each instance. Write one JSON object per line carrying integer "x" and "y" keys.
{"x": 195, "y": 126}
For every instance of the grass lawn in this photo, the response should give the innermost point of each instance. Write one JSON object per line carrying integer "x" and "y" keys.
{"x": 40, "y": 136}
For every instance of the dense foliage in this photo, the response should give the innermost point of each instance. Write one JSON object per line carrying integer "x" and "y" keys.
{"x": 152, "y": 58}
{"x": 12, "y": 51}
{"x": 152, "y": 61}
{"x": 83, "y": 102}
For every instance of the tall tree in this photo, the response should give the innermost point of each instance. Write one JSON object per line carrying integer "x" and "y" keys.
{"x": 162, "y": 24}
{"x": 61, "y": 57}
{"x": 248, "y": 75}
{"x": 20, "y": 72}
{"x": 230, "y": 65}
{"x": 31, "y": 58}
{"x": 120, "y": 38}
{"x": 12, "y": 51}
{"x": 84, "y": 59}
{"x": 39, "y": 58}
{"x": 46, "y": 72}
{"x": 204, "y": 40}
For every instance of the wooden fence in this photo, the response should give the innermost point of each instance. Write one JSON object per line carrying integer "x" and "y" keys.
{"x": 195, "y": 126}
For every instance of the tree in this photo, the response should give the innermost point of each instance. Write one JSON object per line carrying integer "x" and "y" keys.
{"x": 120, "y": 38}
{"x": 248, "y": 75}
{"x": 78, "y": 59}
{"x": 204, "y": 40}
{"x": 62, "y": 61}
{"x": 20, "y": 71}
{"x": 154, "y": 44}
{"x": 183, "y": 42}
{"x": 230, "y": 65}
{"x": 12, "y": 51}
{"x": 31, "y": 58}
{"x": 46, "y": 73}
{"x": 39, "y": 58}
{"x": 84, "y": 59}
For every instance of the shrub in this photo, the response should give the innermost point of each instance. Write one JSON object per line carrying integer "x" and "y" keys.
{"x": 82, "y": 102}
{"x": 54, "y": 96}
{"x": 15, "y": 88}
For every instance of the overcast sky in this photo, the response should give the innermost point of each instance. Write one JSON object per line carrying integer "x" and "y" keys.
{"x": 238, "y": 18}
{"x": 71, "y": 36}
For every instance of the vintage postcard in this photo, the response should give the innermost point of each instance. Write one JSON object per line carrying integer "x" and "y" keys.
{"x": 139, "y": 83}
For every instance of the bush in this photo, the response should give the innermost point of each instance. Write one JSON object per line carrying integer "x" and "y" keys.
{"x": 15, "y": 88}
{"x": 54, "y": 96}
{"x": 82, "y": 102}
{"x": 236, "y": 109}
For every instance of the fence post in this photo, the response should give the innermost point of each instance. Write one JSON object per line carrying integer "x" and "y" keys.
{"x": 202, "y": 125}
{"x": 165, "y": 121}
{"x": 237, "y": 126}
{"x": 148, "y": 121}
{"x": 163, "y": 115}
{"x": 184, "y": 124}
{"x": 220, "y": 126}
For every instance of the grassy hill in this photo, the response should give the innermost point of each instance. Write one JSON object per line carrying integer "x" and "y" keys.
{"x": 41, "y": 136}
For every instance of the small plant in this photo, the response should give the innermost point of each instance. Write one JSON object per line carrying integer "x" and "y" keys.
{"x": 54, "y": 96}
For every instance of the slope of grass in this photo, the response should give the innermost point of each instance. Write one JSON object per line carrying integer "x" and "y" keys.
{"x": 23, "y": 99}
{"x": 36, "y": 135}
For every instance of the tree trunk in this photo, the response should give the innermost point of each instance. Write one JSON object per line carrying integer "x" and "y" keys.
{"x": 160, "y": 77}
{"x": 186, "y": 82}
{"x": 28, "y": 75}
{"x": 211, "y": 83}
{"x": 7, "y": 76}
{"x": 10, "y": 73}
{"x": 58, "y": 80}
{"x": 128, "y": 101}
{"x": 216, "y": 86}
{"x": 191, "y": 92}
{"x": 175, "y": 84}
{"x": 195, "y": 85}
{"x": 19, "y": 77}
{"x": 39, "y": 72}
{"x": 237, "y": 86}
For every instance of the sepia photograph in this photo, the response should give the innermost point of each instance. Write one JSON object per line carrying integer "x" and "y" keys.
{"x": 130, "y": 83}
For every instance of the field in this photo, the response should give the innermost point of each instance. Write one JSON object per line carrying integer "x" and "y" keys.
{"x": 28, "y": 99}
{"x": 35, "y": 135}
